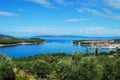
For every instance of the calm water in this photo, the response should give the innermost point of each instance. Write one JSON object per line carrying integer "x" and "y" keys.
{"x": 50, "y": 46}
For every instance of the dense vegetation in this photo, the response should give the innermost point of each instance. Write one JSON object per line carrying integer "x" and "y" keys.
{"x": 61, "y": 66}
{"x": 33, "y": 40}
{"x": 6, "y": 68}
{"x": 5, "y": 39}
{"x": 117, "y": 40}
{"x": 80, "y": 42}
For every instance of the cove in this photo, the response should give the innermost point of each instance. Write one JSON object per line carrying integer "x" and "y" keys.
{"x": 52, "y": 45}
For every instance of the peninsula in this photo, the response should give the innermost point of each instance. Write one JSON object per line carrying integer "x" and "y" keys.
{"x": 87, "y": 42}
{"x": 6, "y": 40}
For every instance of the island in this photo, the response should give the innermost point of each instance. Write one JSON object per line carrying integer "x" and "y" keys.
{"x": 6, "y": 40}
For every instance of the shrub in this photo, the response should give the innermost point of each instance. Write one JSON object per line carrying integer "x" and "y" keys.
{"x": 6, "y": 68}
{"x": 38, "y": 67}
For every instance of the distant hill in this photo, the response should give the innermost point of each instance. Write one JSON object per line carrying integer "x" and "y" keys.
{"x": 6, "y": 37}
{"x": 60, "y": 36}
{"x": 67, "y": 36}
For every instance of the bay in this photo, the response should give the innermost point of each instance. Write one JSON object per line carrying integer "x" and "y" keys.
{"x": 52, "y": 45}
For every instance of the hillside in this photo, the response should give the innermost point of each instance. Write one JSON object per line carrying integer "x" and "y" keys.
{"x": 62, "y": 66}
{"x": 6, "y": 39}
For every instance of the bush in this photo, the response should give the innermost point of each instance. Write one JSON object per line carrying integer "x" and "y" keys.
{"x": 38, "y": 67}
{"x": 64, "y": 70}
{"x": 6, "y": 68}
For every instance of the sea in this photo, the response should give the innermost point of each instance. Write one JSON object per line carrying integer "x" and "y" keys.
{"x": 51, "y": 45}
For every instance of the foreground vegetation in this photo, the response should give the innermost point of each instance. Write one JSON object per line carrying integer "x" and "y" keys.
{"x": 61, "y": 66}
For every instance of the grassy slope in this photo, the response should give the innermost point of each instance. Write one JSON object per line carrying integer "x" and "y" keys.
{"x": 5, "y": 39}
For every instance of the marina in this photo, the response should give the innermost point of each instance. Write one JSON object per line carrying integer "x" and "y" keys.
{"x": 101, "y": 44}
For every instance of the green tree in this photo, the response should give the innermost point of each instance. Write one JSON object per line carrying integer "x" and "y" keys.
{"x": 77, "y": 56}
{"x": 96, "y": 51}
{"x": 117, "y": 68}
{"x": 6, "y": 68}
{"x": 118, "y": 51}
{"x": 39, "y": 67}
{"x": 88, "y": 69}
{"x": 64, "y": 69}
{"x": 87, "y": 51}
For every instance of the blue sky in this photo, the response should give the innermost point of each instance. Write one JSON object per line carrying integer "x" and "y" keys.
{"x": 58, "y": 17}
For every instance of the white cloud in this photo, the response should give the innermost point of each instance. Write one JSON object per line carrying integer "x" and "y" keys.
{"x": 45, "y": 3}
{"x": 38, "y": 30}
{"x": 100, "y": 10}
{"x": 27, "y": 30}
{"x": 60, "y": 2}
{"x": 72, "y": 20}
{"x": 96, "y": 31}
{"x": 107, "y": 13}
{"x": 64, "y": 2}
{"x": 3, "y": 13}
{"x": 113, "y": 3}
{"x": 93, "y": 11}
{"x": 104, "y": 8}
{"x": 50, "y": 3}
{"x": 76, "y": 20}
{"x": 101, "y": 31}
{"x": 84, "y": 31}
{"x": 83, "y": 19}
{"x": 41, "y": 30}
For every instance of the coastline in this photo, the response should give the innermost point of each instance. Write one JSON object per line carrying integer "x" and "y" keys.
{"x": 4, "y": 45}
{"x": 23, "y": 43}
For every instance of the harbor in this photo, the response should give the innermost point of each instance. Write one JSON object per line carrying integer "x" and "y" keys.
{"x": 100, "y": 44}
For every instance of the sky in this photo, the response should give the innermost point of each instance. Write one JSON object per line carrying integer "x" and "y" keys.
{"x": 60, "y": 17}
